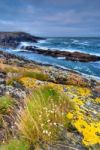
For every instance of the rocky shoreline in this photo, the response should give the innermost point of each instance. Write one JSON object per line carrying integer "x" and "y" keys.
{"x": 22, "y": 61}
{"x": 14, "y": 39}
{"x": 55, "y": 74}
{"x": 73, "y": 56}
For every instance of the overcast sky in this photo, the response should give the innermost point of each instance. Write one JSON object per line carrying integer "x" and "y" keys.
{"x": 51, "y": 17}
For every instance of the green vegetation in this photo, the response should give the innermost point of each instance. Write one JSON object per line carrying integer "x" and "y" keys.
{"x": 44, "y": 116}
{"x": 11, "y": 70}
{"x": 52, "y": 112}
{"x": 15, "y": 145}
{"x": 36, "y": 75}
{"x": 11, "y": 80}
{"x": 6, "y": 104}
{"x": 22, "y": 74}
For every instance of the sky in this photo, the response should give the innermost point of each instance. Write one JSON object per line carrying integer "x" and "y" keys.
{"x": 51, "y": 17}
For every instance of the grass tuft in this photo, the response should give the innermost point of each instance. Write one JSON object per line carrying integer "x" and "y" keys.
{"x": 36, "y": 75}
{"x": 44, "y": 115}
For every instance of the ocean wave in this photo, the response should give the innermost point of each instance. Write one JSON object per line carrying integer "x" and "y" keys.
{"x": 97, "y": 64}
{"x": 16, "y": 50}
{"x": 65, "y": 42}
{"x": 25, "y": 44}
{"x": 75, "y": 41}
{"x": 84, "y": 43}
{"x": 59, "y": 49}
{"x": 21, "y": 50}
{"x": 41, "y": 47}
{"x": 42, "y": 41}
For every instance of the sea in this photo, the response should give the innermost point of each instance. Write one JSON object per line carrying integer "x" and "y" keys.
{"x": 90, "y": 45}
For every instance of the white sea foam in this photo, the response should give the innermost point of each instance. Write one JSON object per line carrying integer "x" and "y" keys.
{"x": 42, "y": 41}
{"x": 61, "y": 57}
{"x": 16, "y": 50}
{"x": 41, "y": 47}
{"x": 53, "y": 48}
{"x": 21, "y": 50}
{"x": 75, "y": 41}
{"x": 65, "y": 42}
{"x": 84, "y": 43}
{"x": 25, "y": 44}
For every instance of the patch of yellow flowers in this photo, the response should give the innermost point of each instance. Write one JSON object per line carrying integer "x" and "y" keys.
{"x": 85, "y": 124}
{"x": 97, "y": 100}
{"x": 90, "y": 131}
{"x": 28, "y": 82}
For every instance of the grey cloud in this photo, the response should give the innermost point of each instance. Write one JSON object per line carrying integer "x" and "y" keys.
{"x": 51, "y": 17}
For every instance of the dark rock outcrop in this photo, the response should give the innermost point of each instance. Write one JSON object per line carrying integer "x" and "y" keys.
{"x": 2, "y": 83}
{"x": 74, "y": 56}
{"x": 13, "y": 39}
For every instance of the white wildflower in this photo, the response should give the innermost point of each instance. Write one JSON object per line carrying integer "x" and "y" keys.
{"x": 42, "y": 125}
{"x": 48, "y": 120}
{"x": 45, "y": 132}
{"x": 49, "y": 133}
{"x": 54, "y": 123}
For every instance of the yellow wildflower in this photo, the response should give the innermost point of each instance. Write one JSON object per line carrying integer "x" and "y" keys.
{"x": 70, "y": 115}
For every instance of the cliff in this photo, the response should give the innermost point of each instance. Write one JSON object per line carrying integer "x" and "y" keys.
{"x": 12, "y": 39}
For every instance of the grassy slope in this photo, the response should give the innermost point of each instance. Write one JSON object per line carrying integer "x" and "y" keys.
{"x": 50, "y": 108}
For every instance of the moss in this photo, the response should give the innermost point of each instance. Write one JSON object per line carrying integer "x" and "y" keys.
{"x": 6, "y": 104}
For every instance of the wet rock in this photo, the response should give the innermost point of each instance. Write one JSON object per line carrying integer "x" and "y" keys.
{"x": 74, "y": 56}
